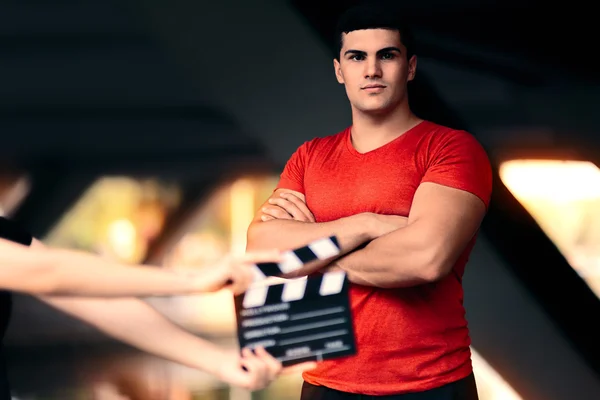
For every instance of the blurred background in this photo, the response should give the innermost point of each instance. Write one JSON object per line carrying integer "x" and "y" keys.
{"x": 129, "y": 125}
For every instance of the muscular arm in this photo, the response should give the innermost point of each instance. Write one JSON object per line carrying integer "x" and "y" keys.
{"x": 284, "y": 234}
{"x": 441, "y": 223}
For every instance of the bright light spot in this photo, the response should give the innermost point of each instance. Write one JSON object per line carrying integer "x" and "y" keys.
{"x": 561, "y": 181}
{"x": 490, "y": 384}
{"x": 242, "y": 212}
{"x": 122, "y": 237}
{"x": 564, "y": 199}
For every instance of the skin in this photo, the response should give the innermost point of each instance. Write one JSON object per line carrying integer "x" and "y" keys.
{"x": 100, "y": 293}
{"x": 378, "y": 250}
{"x": 42, "y": 270}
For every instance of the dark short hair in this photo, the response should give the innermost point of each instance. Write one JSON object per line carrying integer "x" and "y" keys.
{"x": 373, "y": 15}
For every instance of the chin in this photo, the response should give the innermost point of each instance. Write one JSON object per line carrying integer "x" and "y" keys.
{"x": 374, "y": 109}
{"x": 376, "y": 105}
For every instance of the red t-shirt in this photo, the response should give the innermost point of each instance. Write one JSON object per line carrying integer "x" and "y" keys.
{"x": 410, "y": 339}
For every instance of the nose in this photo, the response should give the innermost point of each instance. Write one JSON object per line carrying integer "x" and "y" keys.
{"x": 372, "y": 68}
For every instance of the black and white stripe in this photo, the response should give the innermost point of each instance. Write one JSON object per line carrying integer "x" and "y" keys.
{"x": 294, "y": 290}
{"x": 293, "y": 260}
{"x": 299, "y": 320}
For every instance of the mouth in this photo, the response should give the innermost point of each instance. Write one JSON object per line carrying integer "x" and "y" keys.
{"x": 373, "y": 88}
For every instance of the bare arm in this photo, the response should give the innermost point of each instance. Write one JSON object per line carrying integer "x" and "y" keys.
{"x": 47, "y": 271}
{"x": 441, "y": 223}
{"x": 150, "y": 331}
{"x": 286, "y": 228}
{"x": 136, "y": 323}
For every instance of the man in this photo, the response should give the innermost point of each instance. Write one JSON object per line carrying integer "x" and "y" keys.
{"x": 406, "y": 198}
{"x": 58, "y": 275}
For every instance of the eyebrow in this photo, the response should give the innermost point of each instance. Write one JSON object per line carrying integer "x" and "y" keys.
{"x": 384, "y": 50}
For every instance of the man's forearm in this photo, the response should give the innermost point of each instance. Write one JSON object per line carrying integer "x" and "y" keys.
{"x": 351, "y": 232}
{"x": 138, "y": 324}
{"x": 399, "y": 259}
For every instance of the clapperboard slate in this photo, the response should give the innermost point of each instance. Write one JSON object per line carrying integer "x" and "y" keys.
{"x": 303, "y": 319}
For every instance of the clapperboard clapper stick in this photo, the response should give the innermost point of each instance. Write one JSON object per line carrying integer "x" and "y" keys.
{"x": 303, "y": 319}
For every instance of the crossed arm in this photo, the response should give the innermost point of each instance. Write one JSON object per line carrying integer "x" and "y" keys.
{"x": 421, "y": 249}
{"x": 295, "y": 227}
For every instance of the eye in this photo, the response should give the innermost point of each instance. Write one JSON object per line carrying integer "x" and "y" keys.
{"x": 388, "y": 56}
{"x": 357, "y": 57}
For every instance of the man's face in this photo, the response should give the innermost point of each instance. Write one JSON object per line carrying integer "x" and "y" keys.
{"x": 374, "y": 69}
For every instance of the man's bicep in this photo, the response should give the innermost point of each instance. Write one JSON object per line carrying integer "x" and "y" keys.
{"x": 447, "y": 217}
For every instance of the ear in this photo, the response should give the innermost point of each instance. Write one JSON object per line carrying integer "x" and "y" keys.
{"x": 412, "y": 68}
{"x": 338, "y": 71}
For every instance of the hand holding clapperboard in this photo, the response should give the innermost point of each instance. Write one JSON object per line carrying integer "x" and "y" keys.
{"x": 303, "y": 319}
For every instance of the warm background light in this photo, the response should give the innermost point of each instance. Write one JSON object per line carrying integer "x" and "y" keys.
{"x": 561, "y": 181}
{"x": 564, "y": 199}
{"x": 242, "y": 206}
{"x": 490, "y": 385}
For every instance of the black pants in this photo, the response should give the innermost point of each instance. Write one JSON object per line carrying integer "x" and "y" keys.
{"x": 464, "y": 389}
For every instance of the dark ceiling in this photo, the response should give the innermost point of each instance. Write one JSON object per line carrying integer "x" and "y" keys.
{"x": 531, "y": 42}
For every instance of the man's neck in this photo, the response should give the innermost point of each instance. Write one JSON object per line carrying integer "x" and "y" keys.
{"x": 371, "y": 131}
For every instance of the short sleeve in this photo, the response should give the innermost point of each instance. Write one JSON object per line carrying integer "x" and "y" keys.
{"x": 9, "y": 230}
{"x": 292, "y": 177}
{"x": 459, "y": 161}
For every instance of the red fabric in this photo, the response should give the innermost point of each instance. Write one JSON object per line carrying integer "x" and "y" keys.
{"x": 408, "y": 340}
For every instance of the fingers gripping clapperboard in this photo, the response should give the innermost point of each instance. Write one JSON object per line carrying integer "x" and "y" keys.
{"x": 302, "y": 319}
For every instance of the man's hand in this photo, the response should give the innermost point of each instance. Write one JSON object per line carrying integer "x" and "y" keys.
{"x": 291, "y": 224}
{"x": 287, "y": 206}
{"x": 290, "y": 206}
{"x": 232, "y": 272}
{"x": 261, "y": 369}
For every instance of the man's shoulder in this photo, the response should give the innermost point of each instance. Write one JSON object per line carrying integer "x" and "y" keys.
{"x": 442, "y": 135}
{"x": 327, "y": 141}
{"x": 440, "y": 130}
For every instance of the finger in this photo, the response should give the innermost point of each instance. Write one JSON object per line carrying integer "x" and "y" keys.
{"x": 290, "y": 208}
{"x": 255, "y": 366}
{"x": 241, "y": 279}
{"x": 265, "y": 218}
{"x": 273, "y": 365}
{"x": 277, "y": 212}
{"x": 305, "y": 366}
{"x": 300, "y": 204}
{"x": 249, "y": 360}
{"x": 246, "y": 378}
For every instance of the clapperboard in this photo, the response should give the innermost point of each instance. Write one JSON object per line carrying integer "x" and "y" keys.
{"x": 303, "y": 319}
